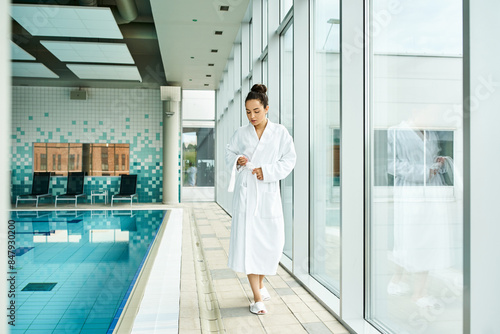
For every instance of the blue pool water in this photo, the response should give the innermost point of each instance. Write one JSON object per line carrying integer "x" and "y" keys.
{"x": 87, "y": 260}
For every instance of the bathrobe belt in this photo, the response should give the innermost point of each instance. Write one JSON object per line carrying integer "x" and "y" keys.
{"x": 250, "y": 167}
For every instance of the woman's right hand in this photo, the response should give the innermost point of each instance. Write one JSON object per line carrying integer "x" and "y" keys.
{"x": 242, "y": 161}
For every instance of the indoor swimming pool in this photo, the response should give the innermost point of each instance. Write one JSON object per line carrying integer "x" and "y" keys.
{"x": 74, "y": 270}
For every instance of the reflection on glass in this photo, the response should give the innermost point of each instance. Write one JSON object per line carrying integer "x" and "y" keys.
{"x": 286, "y": 112}
{"x": 416, "y": 162}
{"x": 325, "y": 147}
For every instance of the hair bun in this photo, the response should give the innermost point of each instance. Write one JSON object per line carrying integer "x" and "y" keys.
{"x": 259, "y": 88}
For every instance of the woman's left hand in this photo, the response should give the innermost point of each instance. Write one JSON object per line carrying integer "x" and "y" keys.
{"x": 258, "y": 173}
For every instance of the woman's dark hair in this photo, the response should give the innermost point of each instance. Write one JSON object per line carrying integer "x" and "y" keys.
{"x": 258, "y": 92}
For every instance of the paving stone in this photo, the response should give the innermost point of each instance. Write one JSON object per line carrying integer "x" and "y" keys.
{"x": 242, "y": 311}
{"x": 284, "y": 291}
{"x": 316, "y": 328}
{"x": 222, "y": 273}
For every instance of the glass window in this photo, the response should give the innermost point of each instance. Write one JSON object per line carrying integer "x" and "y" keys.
{"x": 415, "y": 167}
{"x": 265, "y": 23}
{"x": 285, "y": 6}
{"x": 250, "y": 47}
{"x": 199, "y": 157}
{"x": 71, "y": 162}
{"x": 286, "y": 116}
{"x": 325, "y": 146}
{"x": 43, "y": 161}
{"x": 265, "y": 75}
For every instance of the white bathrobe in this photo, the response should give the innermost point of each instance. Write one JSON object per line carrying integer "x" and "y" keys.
{"x": 422, "y": 226}
{"x": 257, "y": 228}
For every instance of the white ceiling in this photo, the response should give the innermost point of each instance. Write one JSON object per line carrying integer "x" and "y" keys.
{"x": 180, "y": 38}
{"x": 170, "y": 42}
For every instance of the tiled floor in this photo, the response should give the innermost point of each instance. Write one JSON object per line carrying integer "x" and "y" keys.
{"x": 219, "y": 302}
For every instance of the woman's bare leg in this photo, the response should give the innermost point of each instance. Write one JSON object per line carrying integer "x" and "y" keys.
{"x": 254, "y": 281}
{"x": 420, "y": 285}
{"x": 261, "y": 281}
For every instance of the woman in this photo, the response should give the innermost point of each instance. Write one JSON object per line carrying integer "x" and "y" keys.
{"x": 259, "y": 155}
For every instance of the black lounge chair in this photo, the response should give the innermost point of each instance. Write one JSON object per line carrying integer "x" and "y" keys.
{"x": 128, "y": 186}
{"x": 39, "y": 188}
{"x": 74, "y": 188}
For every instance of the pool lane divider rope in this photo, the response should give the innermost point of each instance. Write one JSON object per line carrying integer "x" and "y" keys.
{"x": 210, "y": 317}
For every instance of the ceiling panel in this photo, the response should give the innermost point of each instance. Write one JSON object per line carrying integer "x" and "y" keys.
{"x": 34, "y": 70}
{"x": 186, "y": 35}
{"x": 89, "y": 52}
{"x": 105, "y": 72}
{"x": 17, "y": 53}
{"x": 66, "y": 21}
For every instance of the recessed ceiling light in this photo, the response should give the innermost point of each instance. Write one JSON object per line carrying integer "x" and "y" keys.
{"x": 215, "y": 50}
{"x": 89, "y": 52}
{"x": 218, "y": 32}
{"x": 224, "y": 8}
{"x": 17, "y": 53}
{"x": 210, "y": 64}
{"x": 105, "y": 72}
{"x": 209, "y": 75}
{"x": 66, "y": 21}
{"x": 34, "y": 70}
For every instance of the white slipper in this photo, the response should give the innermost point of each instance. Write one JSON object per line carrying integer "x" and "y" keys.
{"x": 429, "y": 302}
{"x": 398, "y": 289}
{"x": 258, "y": 308}
{"x": 265, "y": 294}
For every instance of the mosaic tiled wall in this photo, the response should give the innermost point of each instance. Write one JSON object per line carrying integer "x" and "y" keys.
{"x": 47, "y": 115}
